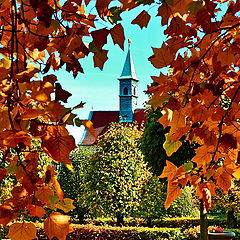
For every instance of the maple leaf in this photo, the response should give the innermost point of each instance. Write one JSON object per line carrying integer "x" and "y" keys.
{"x": 117, "y": 33}
{"x": 203, "y": 156}
{"x": 162, "y": 56}
{"x": 22, "y": 231}
{"x": 142, "y": 19}
{"x": 57, "y": 225}
{"x": 207, "y": 198}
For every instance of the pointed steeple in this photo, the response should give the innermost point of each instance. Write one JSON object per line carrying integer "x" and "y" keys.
{"x": 128, "y": 89}
{"x": 128, "y": 67}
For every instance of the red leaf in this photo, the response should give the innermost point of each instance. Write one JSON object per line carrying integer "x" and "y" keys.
{"x": 117, "y": 33}
{"x": 61, "y": 94}
{"x": 142, "y": 19}
{"x": 100, "y": 37}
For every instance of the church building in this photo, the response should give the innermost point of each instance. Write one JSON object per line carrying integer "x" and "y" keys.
{"x": 128, "y": 111}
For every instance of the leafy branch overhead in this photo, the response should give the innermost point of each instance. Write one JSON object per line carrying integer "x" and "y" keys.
{"x": 199, "y": 97}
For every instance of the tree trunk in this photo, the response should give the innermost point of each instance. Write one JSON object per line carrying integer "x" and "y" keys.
{"x": 231, "y": 219}
{"x": 203, "y": 222}
{"x": 120, "y": 220}
{"x": 80, "y": 215}
{"x": 149, "y": 222}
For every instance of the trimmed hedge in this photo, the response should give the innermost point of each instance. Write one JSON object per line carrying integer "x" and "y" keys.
{"x": 90, "y": 232}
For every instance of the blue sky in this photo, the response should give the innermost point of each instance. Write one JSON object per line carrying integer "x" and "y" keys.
{"x": 99, "y": 89}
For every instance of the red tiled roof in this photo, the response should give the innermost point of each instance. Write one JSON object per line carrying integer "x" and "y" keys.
{"x": 102, "y": 119}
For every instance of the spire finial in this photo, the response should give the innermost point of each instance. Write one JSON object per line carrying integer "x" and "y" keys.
{"x": 129, "y": 42}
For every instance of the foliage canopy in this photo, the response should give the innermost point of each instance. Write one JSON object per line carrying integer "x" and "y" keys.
{"x": 202, "y": 51}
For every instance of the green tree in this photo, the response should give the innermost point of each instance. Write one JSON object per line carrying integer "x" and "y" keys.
{"x": 117, "y": 173}
{"x": 152, "y": 144}
{"x": 73, "y": 182}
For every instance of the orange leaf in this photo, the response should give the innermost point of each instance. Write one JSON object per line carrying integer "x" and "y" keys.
{"x": 57, "y": 225}
{"x": 142, "y": 19}
{"x": 223, "y": 178}
{"x": 169, "y": 171}
{"x": 173, "y": 192}
{"x": 22, "y": 231}
{"x": 203, "y": 156}
{"x": 31, "y": 114}
{"x": 162, "y": 56}
{"x": 43, "y": 194}
{"x": 117, "y": 33}
{"x": 100, "y": 58}
{"x": 57, "y": 188}
{"x": 13, "y": 138}
{"x": 35, "y": 210}
{"x": 89, "y": 126}
{"x": 58, "y": 144}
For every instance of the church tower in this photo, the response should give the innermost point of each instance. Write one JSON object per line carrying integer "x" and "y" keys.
{"x": 128, "y": 89}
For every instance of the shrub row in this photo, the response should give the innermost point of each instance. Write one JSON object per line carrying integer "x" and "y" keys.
{"x": 90, "y": 232}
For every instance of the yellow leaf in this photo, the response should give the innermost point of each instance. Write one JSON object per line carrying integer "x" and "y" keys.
{"x": 66, "y": 205}
{"x": 22, "y": 231}
{"x": 236, "y": 174}
{"x": 171, "y": 147}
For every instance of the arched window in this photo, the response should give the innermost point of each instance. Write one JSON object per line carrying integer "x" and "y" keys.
{"x": 134, "y": 91}
{"x": 125, "y": 91}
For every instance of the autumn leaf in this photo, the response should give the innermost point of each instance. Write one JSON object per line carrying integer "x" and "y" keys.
{"x": 35, "y": 210}
{"x": 117, "y": 33}
{"x": 61, "y": 94}
{"x": 58, "y": 144}
{"x": 30, "y": 113}
{"x": 142, "y": 19}
{"x": 89, "y": 126}
{"x": 173, "y": 192}
{"x": 7, "y": 214}
{"x": 66, "y": 205}
{"x": 169, "y": 171}
{"x": 162, "y": 56}
{"x": 100, "y": 37}
{"x": 57, "y": 225}
{"x": 170, "y": 146}
{"x": 22, "y": 231}
{"x": 43, "y": 194}
{"x": 100, "y": 58}
{"x": 57, "y": 188}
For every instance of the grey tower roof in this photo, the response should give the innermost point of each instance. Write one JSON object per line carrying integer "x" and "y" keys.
{"x": 128, "y": 67}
